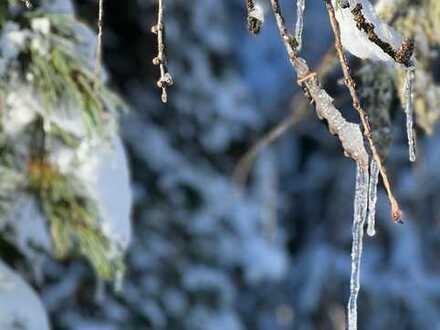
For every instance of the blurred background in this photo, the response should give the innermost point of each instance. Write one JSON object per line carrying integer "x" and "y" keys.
{"x": 274, "y": 254}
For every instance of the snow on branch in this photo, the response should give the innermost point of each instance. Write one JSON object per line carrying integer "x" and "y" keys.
{"x": 401, "y": 55}
{"x": 255, "y": 16}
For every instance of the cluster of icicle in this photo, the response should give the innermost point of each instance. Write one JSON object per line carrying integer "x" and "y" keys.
{"x": 357, "y": 43}
{"x": 364, "y": 211}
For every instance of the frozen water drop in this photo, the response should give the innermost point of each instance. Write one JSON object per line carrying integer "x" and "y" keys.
{"x": 409, "y": 111}
{"x": 299, "y": 28}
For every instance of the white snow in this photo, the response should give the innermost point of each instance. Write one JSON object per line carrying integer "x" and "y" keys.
{"x": 41, "y": 24}
{"x": 20, "y": 307}
{"x": 356, "y": 41}
{"x": 257, "y": 12}
{"x": 19, "y": 111}
{"x": 30, "y": 233}
{"x": 105, "y": 174}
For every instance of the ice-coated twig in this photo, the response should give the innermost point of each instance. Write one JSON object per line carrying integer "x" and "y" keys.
{"x": 360, "y": 212}
{"x": 409, "y": 111}
{"x": 254, "y": 16}
{"x": 98, "y": 61}
{"x": 396, "y": 213}
{"x": 349, "y": 134}
{"x": 165, "y": 79}
{"x": 372, "y": 198}
{"x": 299, "y": 27}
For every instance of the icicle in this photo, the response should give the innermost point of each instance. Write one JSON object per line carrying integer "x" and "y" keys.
{"x": 409, "y": 109}
{"x": 300, "y": 7}
{"x": 372, "y": 198}
{"x": 360, "y": 213}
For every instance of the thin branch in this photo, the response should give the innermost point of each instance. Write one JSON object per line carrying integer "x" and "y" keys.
{"x": 165, "y": 79}
{"x": 241, "y": 171}
{"x": 351, "y": 85}
{"x": 348, "y": 133}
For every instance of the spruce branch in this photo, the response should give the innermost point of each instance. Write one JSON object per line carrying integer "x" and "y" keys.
{"x": 351, "y": 85}
{"x": 165, "y": 79}
{"x": 72, "y": 218}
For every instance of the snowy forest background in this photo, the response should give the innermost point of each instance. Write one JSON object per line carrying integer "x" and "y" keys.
{"x": 276, "y": 255}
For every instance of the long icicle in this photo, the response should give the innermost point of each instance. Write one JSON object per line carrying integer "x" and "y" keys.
{"x": 299, "y": 28}
{"x": 360, "y": 213}
{"x": 409, "y": 111}
{"x": 372, "y": 198}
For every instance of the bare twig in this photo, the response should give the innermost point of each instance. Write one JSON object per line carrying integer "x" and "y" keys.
{"x": 349, "y": 134}
{"x": 351, "y": 85}
{"x": 165, "y": 79}
{"x": 241, "y": 171}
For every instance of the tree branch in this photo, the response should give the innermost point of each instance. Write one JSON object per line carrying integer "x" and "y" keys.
{"x": 351, "y": 85}
{"x": 349, "y": 134}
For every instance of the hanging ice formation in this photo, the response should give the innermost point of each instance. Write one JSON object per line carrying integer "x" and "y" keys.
{"x": 409, "y": 111}
{"x": 299, "y": 28}
{"x": 372, "y": 198}
{"x": 360, "y": 214}
{"x": 355, "y": 17}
